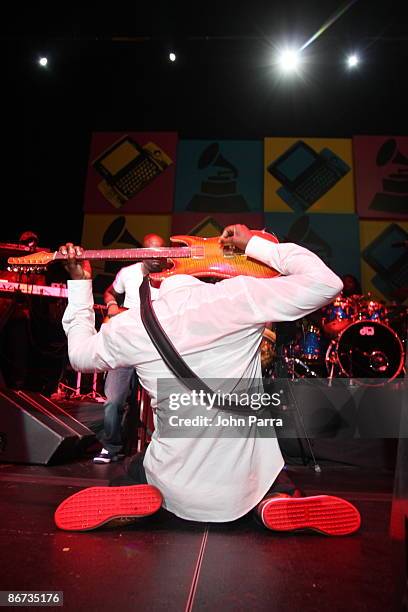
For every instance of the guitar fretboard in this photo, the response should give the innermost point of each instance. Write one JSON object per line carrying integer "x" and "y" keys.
{"x": 142, "y": 253}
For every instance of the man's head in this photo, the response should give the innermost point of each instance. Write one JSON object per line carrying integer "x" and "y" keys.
{"x": 153, "y": 240}
{"x": 351, "y": 285}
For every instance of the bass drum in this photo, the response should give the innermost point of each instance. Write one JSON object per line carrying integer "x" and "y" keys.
{"x": 371, "y": 351}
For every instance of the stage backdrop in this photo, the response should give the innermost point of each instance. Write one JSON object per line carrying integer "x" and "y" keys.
{"x": 381, "y": 168}
{"x": 384, "y": 262}
{"x": 334, "y": 238}
{"x": 308, "y": 196}
{"x": 131, "y": 172}
{"x": 223, "y": 176}
{"x": 313, "y": 175}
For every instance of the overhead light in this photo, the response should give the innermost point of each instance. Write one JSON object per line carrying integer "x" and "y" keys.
{"x": 172, "y": 57}
{"x": 353, "y": 61}
{"x": 289, "y": 60}
{"x": 43, "y": 61}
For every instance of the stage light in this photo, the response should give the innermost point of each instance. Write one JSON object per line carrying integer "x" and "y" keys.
{"x": 353, "y": 60}
{"x": 289, "y": 60}
{"x": 43, "y": 61}
{"x": 172, "y": 57}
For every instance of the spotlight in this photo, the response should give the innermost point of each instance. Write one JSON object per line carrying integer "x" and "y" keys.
{"x": 289, "y": 60}
{"x": 353, "y": 60}
{"x": 172, "y": 57}
{"x": 43, "y": 61}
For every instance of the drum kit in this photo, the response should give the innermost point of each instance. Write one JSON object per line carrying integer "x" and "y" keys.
{"x": 355, "y": 337}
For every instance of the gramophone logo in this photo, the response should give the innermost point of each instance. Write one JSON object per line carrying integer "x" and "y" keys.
{"x": 301, "y": 233}
{"x": 115, "y": 236}
{"x": 219, "y": 190}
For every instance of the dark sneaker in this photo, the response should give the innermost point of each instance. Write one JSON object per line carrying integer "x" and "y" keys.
{"x": 96, "y": 506}
{"x": 106, "y": 456}
{"x": 322, "y": 513}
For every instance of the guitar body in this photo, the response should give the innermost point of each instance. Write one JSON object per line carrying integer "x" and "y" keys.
{"x": 217, "y": 261}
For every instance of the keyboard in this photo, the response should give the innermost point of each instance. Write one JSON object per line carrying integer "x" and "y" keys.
{"x": 317, "y": 184}
{"x": 49, "y": 291}
{"x": 136, "y": 179}
{"x": 8, "y": 249}
{"x": 42, "y": 290}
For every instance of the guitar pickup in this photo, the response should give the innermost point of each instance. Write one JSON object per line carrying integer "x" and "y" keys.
{"x": 229, "y": 251}
{"x": 197, "y": 252}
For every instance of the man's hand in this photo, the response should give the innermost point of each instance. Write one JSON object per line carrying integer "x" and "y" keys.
{"x": 78, "y": 270}
{"x": 236, "y": 235}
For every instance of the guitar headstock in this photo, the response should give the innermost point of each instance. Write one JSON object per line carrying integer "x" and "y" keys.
{"x": 35, "y": 262}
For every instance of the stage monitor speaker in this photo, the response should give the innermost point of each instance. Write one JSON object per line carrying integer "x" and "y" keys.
{"x": 35, "y": 430}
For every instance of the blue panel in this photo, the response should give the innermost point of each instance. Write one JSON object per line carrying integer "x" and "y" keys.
{"x": 219, "y": 176}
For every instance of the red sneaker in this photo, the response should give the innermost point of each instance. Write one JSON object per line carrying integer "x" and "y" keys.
{"x": 323, "y": 513}
{"x": 96, "y": 506}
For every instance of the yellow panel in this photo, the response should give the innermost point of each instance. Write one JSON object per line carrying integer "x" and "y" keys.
{"x": 134, "y": 228}
{"x": 339, "y": 199}
{"x": 125, "y": 230}
{"x": 207, "y": 228}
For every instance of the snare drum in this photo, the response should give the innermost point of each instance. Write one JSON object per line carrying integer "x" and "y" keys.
{"x": 338, "y": 315}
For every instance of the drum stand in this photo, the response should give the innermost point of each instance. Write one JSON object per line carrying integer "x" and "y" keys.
{"x": 334, "y": 366}
{"x": 298, "y": 419}
{"x": 329, "y": 359}
{"x": 291, "y": 361}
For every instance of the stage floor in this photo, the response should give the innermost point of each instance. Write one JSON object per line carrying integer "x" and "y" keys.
{"x": 165, "y": 563}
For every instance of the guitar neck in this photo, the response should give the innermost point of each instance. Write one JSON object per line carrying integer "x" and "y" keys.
{"x": 139, "y": 254}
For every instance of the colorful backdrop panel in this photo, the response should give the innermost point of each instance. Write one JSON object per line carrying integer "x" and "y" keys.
{"x": 219, "y": 176}
{"x": 313, "y": 175}
{"x": 132, "y": 172}
{"x": 334, "y": 238}
{"x": 381, "y": 169}
{"x": 118, "y": 232}
{"x": 207, "y": 225}
{"x": 385, "y": 259}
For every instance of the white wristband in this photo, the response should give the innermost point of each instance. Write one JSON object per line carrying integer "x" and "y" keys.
{"x": 110, "y": 303}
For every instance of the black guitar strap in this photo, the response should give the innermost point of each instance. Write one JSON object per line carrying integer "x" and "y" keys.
{"x": 172, "y": 357}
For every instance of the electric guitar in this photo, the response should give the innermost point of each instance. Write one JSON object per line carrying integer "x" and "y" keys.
{"x": 200, "y": 257}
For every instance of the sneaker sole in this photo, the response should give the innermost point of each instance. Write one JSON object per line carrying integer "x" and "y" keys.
{"x": 323, "y": 513}
{"x": 95, "y": 506}
{"x": 103, "y": 460}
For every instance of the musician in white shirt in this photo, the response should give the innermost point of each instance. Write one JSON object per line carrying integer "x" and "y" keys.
{"x": 217, "y": 328}
{"x": 120, "y": 383}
